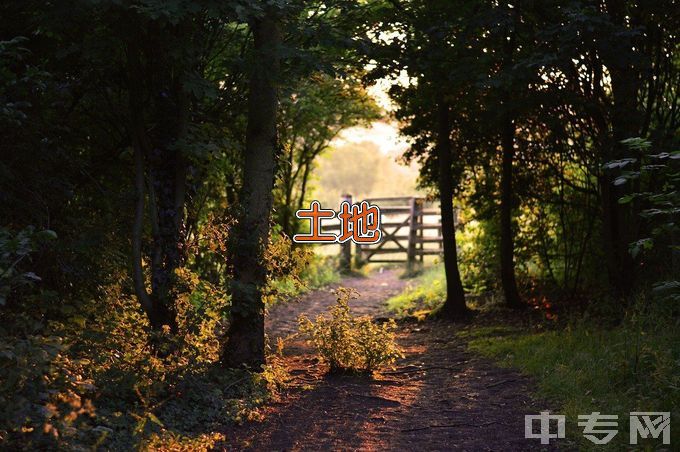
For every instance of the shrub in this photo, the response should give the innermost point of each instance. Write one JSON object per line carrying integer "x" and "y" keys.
{"x": 201, "y": 312}
{"x": 350, "y": 343}
{"x": 655, "y": 179}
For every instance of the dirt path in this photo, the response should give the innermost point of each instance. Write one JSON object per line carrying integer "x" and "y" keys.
{"x": 440, "y": 397}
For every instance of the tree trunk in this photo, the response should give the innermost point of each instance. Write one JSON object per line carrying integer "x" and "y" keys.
{"x": 512, "y": 298}
{"x": 303, "y": 188}
{"x": 454, "y": 307}
{"x": 167, "y": 174}
{"x": 620, "y": 221}
{"x": 507, "y": 243}
{"x": 166, "y": 169}
{"x": 245, "y": 345}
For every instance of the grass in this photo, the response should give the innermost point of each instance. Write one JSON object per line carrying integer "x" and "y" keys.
{"x": 321, "y": 271}
{"x": 427, "y": 293}
{"x": 583, "y": 368}
{"x": 422, "y": 297}
{"x": 588, "y": 364}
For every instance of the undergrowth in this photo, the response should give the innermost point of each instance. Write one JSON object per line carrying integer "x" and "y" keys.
{"x": 424, "y": 295}
{"x": 88, "y": 373}
{"x": 106, "y": 387}
{"x": 319, "y": 271}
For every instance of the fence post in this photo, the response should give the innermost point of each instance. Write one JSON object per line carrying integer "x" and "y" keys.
{"x": 412, "y": 233}
{"x": 346, "y": 248}
{"x": 421, "y": 232}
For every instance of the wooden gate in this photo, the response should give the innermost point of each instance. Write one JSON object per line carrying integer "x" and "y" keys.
{"x": 411, "y": 229}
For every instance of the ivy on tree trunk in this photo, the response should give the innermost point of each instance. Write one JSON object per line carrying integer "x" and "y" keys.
{"x": 245, "y": 344}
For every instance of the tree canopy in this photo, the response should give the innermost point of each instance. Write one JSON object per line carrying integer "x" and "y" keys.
{"x": 155, "y": 153}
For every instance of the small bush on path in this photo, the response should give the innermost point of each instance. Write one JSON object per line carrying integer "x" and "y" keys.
{"x": 349, "y": 343}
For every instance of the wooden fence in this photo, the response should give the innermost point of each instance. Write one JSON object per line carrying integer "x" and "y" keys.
{"x": 411, "y": 229}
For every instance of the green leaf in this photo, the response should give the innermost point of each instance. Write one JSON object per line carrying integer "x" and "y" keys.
{"x": 666, "y": 286}
{"x": 641, "y": 245}
{"x": 619, "y": 163}
{"x": 637, "y": 143}
{"x": 626, "y": 199}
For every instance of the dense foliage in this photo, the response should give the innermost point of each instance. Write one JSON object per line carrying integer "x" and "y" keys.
{"x": 532, "y": 102}
{"x": 125, "y": 126}
{"x": 154, "y": 153}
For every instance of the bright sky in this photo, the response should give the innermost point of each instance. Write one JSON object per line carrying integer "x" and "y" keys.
{"x": 383, "y": 133}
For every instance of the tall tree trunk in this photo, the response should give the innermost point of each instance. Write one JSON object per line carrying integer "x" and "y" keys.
{"x": 620, "y": 221}
{"x": 512, "y": 298}
{"x": 166, "y": 170}
{"x": 507, "y": 245}
{"x": 245, "y": 345}
{"x": 454, "y": 307}
{"x": 168, "y": 173}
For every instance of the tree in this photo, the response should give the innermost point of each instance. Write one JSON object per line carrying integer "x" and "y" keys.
{"x": 245, "y": 344}
{"x": 622, "y": 81}
{"x": 312, "y": 115}
{"x": 507, "y": 138}
{"x": 507, "y": 246}
{"x": 428, "y": 109}
{"x": 157, "y": 86}
{"x": 454, "y": 307}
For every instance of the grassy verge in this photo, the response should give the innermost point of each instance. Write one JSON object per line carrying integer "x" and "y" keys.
{"x": 426, "y": 293}
{"x": 422, "y": 296}
{"x": 585, "y": 368}
{"x": 586, "y": 365}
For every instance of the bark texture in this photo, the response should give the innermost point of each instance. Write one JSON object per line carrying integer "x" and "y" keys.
{"x": 245, "y": 345}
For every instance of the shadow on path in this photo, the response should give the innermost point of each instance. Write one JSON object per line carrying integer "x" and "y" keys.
{"x": 440, "y": 396}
